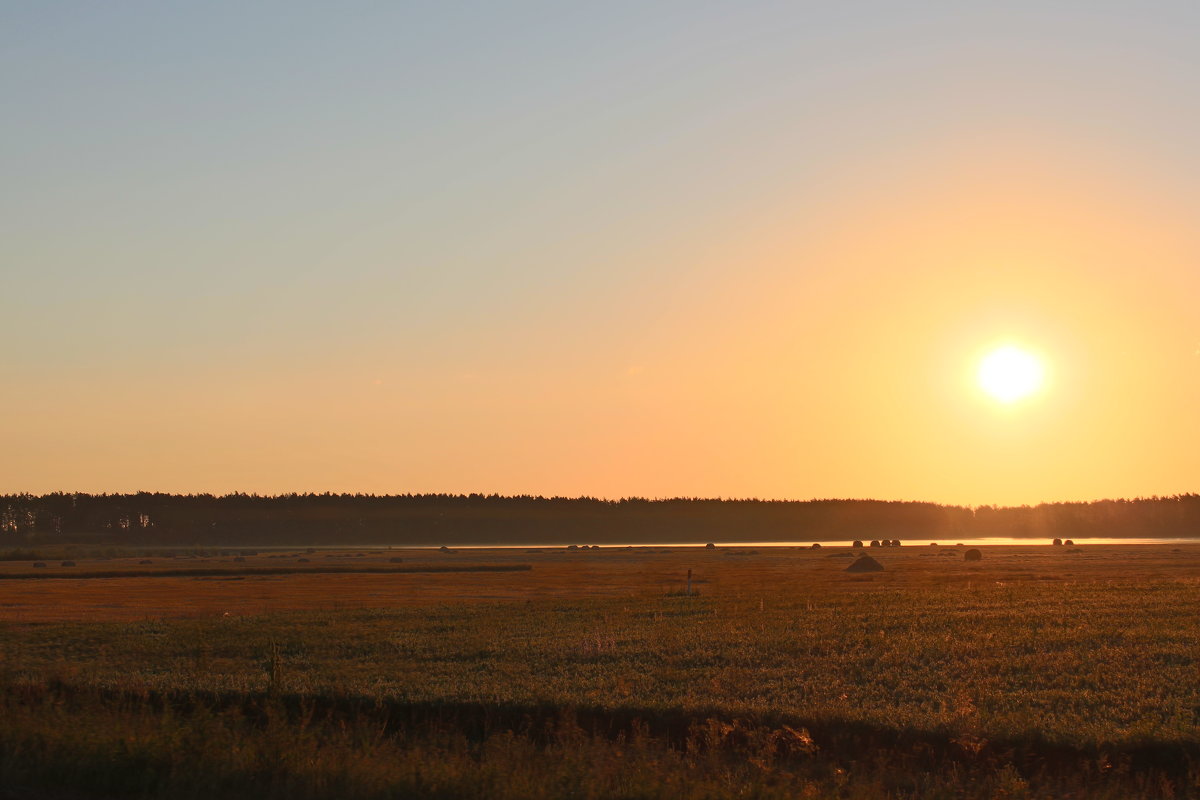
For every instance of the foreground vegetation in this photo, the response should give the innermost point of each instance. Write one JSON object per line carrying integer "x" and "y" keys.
{"x": 828, "y": 686}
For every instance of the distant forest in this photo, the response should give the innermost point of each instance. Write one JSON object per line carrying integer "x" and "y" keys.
{"x": 474, "y": 519}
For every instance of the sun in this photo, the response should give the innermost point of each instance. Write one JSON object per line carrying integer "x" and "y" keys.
{"x": 1009, "y": 374}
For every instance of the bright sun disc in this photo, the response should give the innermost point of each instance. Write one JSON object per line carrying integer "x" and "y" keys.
{"x": 1010, "y": 373}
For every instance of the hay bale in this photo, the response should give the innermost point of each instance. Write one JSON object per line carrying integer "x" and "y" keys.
{"x": 1057, "y": 543}
{"x": 1069, "y": 543}
{"x": 865, "y": 564}
{"x": 972, "y": 555}
{"x": 67, "y": 564}
{"x": 816, "y": 545}
{"x": 710, "y": 546}
{"x": 874, "y": 543}
{"x": 895, "y": 542}
{"x": 933, "y": 544}
{"x": 857, "y": 543}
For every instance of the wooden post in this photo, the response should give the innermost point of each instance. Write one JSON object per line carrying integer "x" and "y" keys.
{"x": 689, "y": 589}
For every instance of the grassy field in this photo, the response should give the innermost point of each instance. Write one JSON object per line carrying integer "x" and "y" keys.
{"x": 1038, "y": 672}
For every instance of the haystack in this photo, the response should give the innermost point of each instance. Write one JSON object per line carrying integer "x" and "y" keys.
{"x": 865, "y": 564}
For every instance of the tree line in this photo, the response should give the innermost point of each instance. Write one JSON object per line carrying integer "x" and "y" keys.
{"x": 147, "y": 518}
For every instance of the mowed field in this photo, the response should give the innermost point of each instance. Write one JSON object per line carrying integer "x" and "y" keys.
{"x": 1038, "y": 671}
{"x": 151, "y": 587}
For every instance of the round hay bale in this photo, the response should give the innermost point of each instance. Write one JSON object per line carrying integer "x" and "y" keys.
{"x": 865, "y": 564}
{"x": 1057, "y": 543}
{"x": 68, "y": 564}
{"x": 1069, "y": 543}
{"x": 857, "y": 543}
{"x": 895, "y": 542}
{"x": 874, "y": 543}
{"x": 816, "y": 545}
{"x": 710, "y": 546}
{"x": 972, "y": 555}
{"x": 933, "y": 544}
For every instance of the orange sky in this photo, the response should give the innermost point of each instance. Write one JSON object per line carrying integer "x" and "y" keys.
{"x": 707, "y": 262}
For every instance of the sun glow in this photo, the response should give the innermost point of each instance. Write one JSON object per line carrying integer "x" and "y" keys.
{"x": 1009, "y": 374}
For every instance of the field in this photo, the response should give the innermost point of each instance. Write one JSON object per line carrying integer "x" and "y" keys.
{"x": 1037, "y": 672}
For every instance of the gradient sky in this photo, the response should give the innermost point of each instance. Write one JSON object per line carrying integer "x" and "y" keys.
{"x": 621, "y": 248}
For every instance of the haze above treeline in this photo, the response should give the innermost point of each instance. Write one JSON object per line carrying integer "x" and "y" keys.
{"x": 148, "y": 518}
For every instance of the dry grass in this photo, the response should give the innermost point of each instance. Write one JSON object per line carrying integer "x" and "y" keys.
{"x": 1035, "y": 673}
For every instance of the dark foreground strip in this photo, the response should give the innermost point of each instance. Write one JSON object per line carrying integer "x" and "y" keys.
{"x": 682, "y": 728}
{"x": 197, "y": 573}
